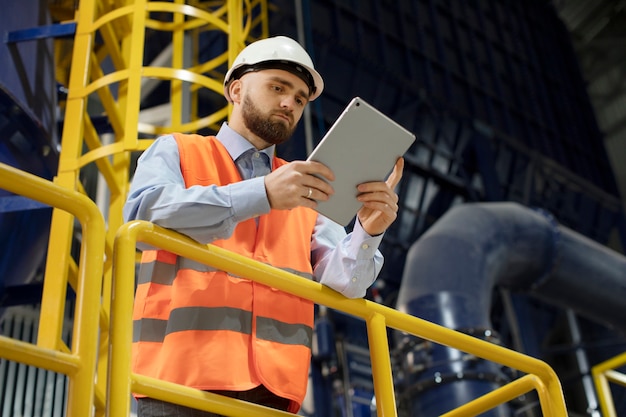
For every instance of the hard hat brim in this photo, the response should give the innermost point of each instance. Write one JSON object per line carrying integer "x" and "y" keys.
{"x": 279, "y": 49}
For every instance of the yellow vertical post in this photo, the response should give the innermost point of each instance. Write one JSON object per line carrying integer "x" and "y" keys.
{"x": 604, "y": 373}
{"x": 81, "y": 394}
{"x": 121, "y": 337}
{"x": 62, "y": 226}
{"x": 606, "y": 399}
{"x": 134, "y": 50}
{"x": 178, "y": 61}
{"x": 235, "y": 38}
{"x": 381, "y": 366}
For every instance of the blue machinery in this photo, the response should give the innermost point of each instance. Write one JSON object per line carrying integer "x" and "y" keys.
{"x": 493, "y": 92}
{"x": 506, "y": 246}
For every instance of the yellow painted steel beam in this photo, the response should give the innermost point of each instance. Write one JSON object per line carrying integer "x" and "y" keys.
{"x": 545, "y": 380}
{"x": 62, "y": 226}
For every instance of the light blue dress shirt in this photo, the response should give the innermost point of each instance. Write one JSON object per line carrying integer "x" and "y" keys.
{"x": 347, "y": 263}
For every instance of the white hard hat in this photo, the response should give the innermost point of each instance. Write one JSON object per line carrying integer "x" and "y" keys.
{"x": 279, "y": 52}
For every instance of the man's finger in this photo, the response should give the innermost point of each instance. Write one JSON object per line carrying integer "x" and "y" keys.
{"x": 396, "y": 174}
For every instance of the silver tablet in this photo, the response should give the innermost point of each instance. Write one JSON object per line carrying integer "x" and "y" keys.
{"x": 362, "y": 146}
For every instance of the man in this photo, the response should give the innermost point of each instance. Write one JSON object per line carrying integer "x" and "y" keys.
{"x": 203, "y": 328}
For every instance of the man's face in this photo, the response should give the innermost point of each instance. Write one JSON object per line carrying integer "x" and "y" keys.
{"x": 272, "y": 104}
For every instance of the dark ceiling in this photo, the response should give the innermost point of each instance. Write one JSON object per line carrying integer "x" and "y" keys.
{"x": 598, "y": 30}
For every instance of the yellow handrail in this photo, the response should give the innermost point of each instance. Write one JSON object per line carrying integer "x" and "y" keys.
{"x": 603, "y": 373}
{"x": 378, "y": 318}
{"x": 79, "y": 363}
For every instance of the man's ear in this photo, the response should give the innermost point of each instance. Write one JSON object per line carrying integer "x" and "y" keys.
{"x": 234, "y": 89}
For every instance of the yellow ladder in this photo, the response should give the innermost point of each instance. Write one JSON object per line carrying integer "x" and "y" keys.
{"x": 107, "y": 68}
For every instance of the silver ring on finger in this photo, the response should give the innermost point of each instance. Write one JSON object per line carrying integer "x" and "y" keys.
{"x": 310, "y": 193}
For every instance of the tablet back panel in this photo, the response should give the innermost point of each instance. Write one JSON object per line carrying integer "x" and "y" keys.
{"x": 362, "y": 146}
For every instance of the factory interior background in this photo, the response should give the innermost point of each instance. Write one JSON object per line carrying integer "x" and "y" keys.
{"x": 511, "y": 227}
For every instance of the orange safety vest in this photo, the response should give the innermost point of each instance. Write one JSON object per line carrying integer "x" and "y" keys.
{"x": 203, "y": 328}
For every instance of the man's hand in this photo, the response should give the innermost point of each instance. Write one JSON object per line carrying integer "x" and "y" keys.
{"x": 380, "y": 202}
{"x": 296, "y": 184}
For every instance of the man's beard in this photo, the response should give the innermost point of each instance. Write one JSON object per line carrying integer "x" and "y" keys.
{"x": 260, "y": 124}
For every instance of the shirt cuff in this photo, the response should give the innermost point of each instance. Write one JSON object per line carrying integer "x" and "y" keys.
{"x": 249, "y": 199}
{"x": 368, "y": 245}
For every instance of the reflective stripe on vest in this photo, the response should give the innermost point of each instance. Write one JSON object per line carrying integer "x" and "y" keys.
{"x": 164, "y": 273}
{"x": 221, "y": 318}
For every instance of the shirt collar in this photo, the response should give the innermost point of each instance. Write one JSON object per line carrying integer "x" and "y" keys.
{"x": 236, "y": 144}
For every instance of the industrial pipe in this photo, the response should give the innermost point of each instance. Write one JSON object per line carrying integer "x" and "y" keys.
{"x": 451, "y": 271}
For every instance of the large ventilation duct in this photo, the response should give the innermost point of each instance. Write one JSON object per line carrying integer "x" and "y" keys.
{"x": 451, "y": 271}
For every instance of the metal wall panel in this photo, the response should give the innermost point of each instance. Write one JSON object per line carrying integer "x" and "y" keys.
{"x": 27, "y": 391}
{"x": 491, "y": 88}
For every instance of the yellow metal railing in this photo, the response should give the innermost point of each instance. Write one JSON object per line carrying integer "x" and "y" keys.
{"x": 539, "y": 376}
{"x": 77, "y": 362}
{"x": 603, "y": 374}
